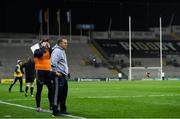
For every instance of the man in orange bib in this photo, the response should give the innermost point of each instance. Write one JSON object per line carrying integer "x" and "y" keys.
{"x": 43, "y": 72}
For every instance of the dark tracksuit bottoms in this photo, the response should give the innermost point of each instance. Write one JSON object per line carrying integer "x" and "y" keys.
{"x": 60, "y": 92}
{"x": 44, "y": 77}
{"x": 20, "y": 83}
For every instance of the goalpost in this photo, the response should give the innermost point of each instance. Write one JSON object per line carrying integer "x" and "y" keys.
{"x": 145, "y": 72}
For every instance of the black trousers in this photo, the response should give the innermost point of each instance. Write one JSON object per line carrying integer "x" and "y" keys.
{"x": 43, "y": 77}
{"x": 60, "y": 92}
{"x": 20, "y": 83}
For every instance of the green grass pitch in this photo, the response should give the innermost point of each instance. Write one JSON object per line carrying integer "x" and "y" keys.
{"x": 114, "y": 99}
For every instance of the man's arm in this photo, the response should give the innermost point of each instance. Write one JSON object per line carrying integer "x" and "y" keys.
{"x": 22, "y": 70}
{"x": 39, "y": 52}
{"x": 16, "y": 69}
{"x": 55, "y": 58}
{"x": 22, "y": 67}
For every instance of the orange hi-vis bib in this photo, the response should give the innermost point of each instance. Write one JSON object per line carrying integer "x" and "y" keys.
{"x": 44, "y": 62}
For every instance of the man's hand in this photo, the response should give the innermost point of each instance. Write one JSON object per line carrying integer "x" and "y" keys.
{"x": 48, "y": 45}
{"x": 44, "y": 44}
{"x": 58, "y": 74}
{"x": 69, "y": 76}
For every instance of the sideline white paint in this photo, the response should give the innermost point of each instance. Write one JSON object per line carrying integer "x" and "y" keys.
{"x": 32, "y": 108}
{"x": 133, "y": 96}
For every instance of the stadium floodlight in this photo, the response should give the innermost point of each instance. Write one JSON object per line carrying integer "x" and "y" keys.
{"x": 157, "y": 73}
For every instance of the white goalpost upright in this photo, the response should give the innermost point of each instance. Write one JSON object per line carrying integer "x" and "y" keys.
{"x": 160, "y": 36}
{"x": 130, "y": 61}
{"x": 157, "y": 70}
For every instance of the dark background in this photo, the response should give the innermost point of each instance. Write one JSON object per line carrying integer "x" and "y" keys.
{"x": 19, "y": 16}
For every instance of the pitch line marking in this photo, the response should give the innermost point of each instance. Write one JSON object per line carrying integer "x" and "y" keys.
{"x": 121, "y": 96}
{"x": 18, "y": 99}
{"x": 32, "y": 108}
{"x": 126, "y": 96}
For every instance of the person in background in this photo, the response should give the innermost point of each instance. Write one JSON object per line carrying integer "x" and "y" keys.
{"x": 60, "y": 75}
{"x": 147, "y": 74}
{"x": 29, "y": 67}
{"x": 18, "y": 74}
{"x": 163, "y": 75}
{"x": 120, "y": 75}
{"x": 43, "y": 72}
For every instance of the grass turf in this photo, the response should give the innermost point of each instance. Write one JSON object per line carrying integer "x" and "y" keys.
{"x": 116, "y": 99}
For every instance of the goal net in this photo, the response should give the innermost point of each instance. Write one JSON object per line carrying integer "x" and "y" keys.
{"x": 145, "y": 73}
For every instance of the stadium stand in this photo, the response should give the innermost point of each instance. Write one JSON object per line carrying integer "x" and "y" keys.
{"x": 114, "y": 48}
{"x": 9, "y": 55}
{"x": 76, "y": 53}
{"x": 168, "y": 37}
{"x": 13, "y": 48}
{"x": 145, "y": 51}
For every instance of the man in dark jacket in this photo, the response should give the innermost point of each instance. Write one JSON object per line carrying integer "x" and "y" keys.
{"x": 29, "y": 67}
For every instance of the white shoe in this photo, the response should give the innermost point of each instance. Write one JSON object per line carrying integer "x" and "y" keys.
{"x": 39, "y": 109}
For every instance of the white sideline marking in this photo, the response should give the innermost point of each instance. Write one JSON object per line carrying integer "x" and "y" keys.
{"x": 120, "y": 96}
{"x": 135, "y": 96}
{"x": 17, "y": 105}
{"x": 18, "y": 99}
{"x": 32, "y": 108}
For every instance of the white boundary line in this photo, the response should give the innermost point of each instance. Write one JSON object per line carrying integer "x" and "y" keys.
{"x": 19, "y": 99}
{"x": 32, "y": 108}
{"x": 17, "y": 105}
{"x": 120, "y": 96}
{"x": 133, "y": 96}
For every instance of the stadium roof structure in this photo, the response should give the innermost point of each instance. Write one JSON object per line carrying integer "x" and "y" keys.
{"x": 22, "y": 16}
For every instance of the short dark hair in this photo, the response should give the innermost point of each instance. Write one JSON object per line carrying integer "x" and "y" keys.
{"x": 44, "y": 40}
{"x": 60, "y": 40}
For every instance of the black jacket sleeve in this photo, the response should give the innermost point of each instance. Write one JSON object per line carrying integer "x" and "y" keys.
{"x": 16, "y": 69}
{"x": 22, "y": 67}
{"x": 22, "y": 70}
{"x": 39, "y": 52}
{"x": 50, "y": 50}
